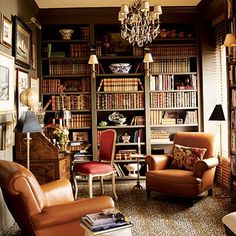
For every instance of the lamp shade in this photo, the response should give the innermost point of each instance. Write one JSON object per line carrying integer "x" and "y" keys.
{"x": 230, "y": 40}
{"x": 218, "y": 113}
{"x": 28, "y": 122}
{"x": 147, "y": 58}
{"x": 93, "y": 59}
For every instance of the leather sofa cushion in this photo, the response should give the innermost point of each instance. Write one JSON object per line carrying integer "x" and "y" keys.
{"x": 172, "y": 175}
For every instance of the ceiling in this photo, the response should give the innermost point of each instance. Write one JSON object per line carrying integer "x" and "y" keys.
{"x": 108, "y": 3}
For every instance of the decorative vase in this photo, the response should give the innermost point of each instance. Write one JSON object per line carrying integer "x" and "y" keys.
{"x": 63, "y": 145}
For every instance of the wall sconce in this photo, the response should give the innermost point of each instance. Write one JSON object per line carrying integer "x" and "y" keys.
{"x": 148, "y": 59}
{"x": 230, "y": 41}
{"x": 93, "y": 60}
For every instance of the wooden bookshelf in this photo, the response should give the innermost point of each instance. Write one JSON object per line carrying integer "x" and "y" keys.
{"x": 66, "y": 81}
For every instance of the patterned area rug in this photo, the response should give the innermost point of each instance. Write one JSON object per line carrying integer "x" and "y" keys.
{"x": 164, "y": 215}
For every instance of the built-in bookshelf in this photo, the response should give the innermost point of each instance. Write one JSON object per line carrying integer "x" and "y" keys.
{"x": 155, "y": 106}
{"x": 66, "y": 81}
{"x": 173, "y": 88}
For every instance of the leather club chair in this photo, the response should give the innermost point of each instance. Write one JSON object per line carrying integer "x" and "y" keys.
{"x": 162, "y": 177}
{"x": 45, "y": 210}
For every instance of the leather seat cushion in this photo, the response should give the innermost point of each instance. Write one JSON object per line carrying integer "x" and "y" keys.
{"x": 93, "y": 168}
{"x": 175, "y": 176}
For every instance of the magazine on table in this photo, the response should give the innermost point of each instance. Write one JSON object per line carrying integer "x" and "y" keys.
{"x": 104, "y": 226}
{"x": 101, "y": 218}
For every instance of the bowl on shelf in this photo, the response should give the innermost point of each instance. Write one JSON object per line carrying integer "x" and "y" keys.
{"x": 120, "y": 68}
{"x": 66, "y": 33}
{"x": 117, "y": 118}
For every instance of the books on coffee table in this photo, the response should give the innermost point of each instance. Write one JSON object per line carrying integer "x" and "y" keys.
{"x": 101, "y": 221}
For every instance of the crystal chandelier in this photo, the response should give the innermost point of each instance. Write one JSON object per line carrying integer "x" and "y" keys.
{"x": 139, "y": 25}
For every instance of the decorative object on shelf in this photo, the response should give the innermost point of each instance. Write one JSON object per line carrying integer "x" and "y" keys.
{"x": 230, "y": 41}
{"x": 62, "y": 136}
{"x": 133, "y": 169}
{"x": 103, "y": 123}
{"x": 63, "y": 116}
{"x": 93, "y": 60}
{"x": 218, "y": 115}
{"x": 147, "y": 60}
{"x": 126, "y": 138}
{"x": 139, "y": 25}
{"x": 66, "y": 34}
{"x": 28, "y": 123}
{"x": 117, "y": 118}
{"x": 120, "y": 68}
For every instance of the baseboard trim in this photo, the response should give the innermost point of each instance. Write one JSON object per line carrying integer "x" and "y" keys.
{"x": 6, "y": 228}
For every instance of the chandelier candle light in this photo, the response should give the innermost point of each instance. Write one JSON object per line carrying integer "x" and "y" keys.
{"x": 139, "y": 25}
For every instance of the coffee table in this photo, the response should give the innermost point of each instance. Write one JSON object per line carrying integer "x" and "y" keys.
{"x": 117, "y": 231}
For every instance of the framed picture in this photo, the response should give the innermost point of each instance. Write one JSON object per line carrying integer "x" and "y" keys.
{"x": 22, "y": 35}
{"x": 7, "y": 82}
{"x": 23, "y": 82}
{"x": 6, "y": 31}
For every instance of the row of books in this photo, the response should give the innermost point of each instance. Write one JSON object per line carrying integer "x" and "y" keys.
{"x": 120, "y": 100}
{"x": 171, "y": 65}
{"x": 67, "y": 67}
{"x": 173, "y": 82}
{"x": 80, "y": 120}
{"x": 55, "y": 85}
{"x": 191, "y": 117}
{"x": 71, "y": 102}
{"x": 138, "y": 120}
{"x": 173, "y": 117}
{"x": 160, "y": 135}
{"x": 175, "y": 99}
{"x": 232, "y": 74}
{"x": 120, "y": 85}
{"x": 79, "y": 50}
{"x": 102, "y": 220}
{"x": 173, "y": 49}
{"x": 233, "y": 141}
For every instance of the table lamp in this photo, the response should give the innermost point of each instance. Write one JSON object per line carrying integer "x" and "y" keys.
{"x": 28, "y": 123}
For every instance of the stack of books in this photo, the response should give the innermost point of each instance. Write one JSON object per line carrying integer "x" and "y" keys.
{"x": 101, "y": 221}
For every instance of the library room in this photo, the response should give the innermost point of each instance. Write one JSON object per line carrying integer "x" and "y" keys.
{"x": 115, "y": 115}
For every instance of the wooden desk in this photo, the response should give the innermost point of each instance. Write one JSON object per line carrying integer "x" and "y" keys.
{"x": 47, "y": 162}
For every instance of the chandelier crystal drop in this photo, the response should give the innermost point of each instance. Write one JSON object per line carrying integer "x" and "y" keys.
{"x": 139, "y": 25}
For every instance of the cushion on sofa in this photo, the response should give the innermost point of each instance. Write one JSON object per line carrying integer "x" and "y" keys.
{"x": 185, "y": 157}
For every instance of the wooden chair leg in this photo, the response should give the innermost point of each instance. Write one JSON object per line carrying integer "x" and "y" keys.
{"x": 90, "y": 185}
{"x": 75, "y": 185}
{"x": 114, "y": 185}
{"x": 101, "y": 184}
{"x": 210, "y": 192}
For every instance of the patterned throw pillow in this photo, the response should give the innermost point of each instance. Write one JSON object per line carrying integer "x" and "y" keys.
{"x": 185, "y": 157}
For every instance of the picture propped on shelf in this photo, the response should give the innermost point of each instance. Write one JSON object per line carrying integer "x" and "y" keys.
{"x": 22, "y": 36}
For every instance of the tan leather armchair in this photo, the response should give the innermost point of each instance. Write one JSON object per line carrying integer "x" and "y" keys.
{"x": 162, "y": 177}
{"x": 45, "y": 210}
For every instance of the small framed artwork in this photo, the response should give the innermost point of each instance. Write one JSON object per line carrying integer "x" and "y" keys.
{"x": 23, "y": 82}
{"x": 22, "y": 35}
{"x": 7, "y": 82}
{"x": 6, "y": 31}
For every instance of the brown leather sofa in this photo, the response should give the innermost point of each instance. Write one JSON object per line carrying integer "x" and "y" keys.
{"x": 45, "y": 210}
{"x": 162, "y": 177}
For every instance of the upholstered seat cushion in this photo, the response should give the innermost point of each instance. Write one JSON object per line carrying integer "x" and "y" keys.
{"x": 93, "y": 168}
{"x": 175, "y": 176}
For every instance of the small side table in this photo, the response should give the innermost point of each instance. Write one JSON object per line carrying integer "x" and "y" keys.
{"x": 118, "y": 231}
{"x": 137, "y": 156}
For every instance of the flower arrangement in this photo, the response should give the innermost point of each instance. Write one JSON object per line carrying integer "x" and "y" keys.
{"x": 61, "y": 134}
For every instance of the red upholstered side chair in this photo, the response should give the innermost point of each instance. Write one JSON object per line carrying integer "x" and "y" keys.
{"x": 101, "y": 168}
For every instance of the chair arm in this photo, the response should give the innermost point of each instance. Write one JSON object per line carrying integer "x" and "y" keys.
{"x": 61, "y": 214}
{"x": 158, "y": 162}
{"x": 58, "y": 192}
{"x": 201, "y": 166}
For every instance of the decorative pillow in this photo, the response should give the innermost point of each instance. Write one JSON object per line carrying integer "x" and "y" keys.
{"x": 185, "y": 157}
